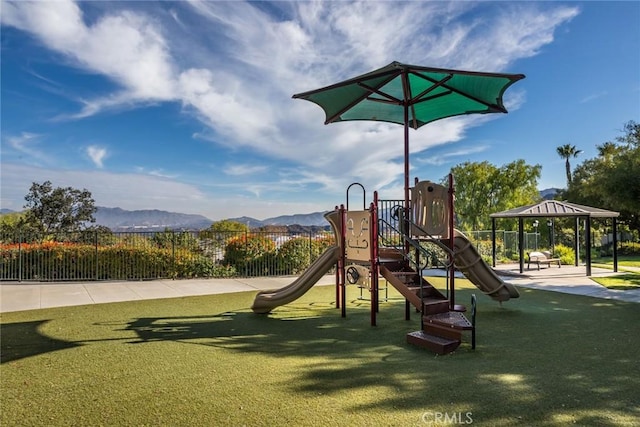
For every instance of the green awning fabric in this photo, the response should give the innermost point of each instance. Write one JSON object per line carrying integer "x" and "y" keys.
{"x": 430, "y": 93}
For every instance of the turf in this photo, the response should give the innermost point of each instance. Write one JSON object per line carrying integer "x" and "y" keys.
{"x": 545, "y": 359}
{"x": 619, "y": 282}
{"x": 623, "y": 261}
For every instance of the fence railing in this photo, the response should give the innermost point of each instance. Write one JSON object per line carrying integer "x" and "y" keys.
{"x": 156, "y": 255}
{"x": 99, "y": 255}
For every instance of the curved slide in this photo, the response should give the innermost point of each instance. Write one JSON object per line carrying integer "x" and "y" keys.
{"x": 469, "y": 261}
{"x": 266, "y": 301}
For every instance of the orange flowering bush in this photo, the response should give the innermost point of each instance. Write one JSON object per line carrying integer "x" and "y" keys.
{"x": 73, "y": 261}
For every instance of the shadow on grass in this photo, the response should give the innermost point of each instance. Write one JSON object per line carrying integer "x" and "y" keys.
{"x": 24, "y": 339}
{"x": 544, "y": 359}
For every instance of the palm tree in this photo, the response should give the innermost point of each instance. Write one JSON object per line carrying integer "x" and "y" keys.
{"x": 566, "y": 152}
{"x": 607, "y": 150}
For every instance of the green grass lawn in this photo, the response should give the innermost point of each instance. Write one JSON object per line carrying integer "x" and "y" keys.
{"x": 619, "y": 282}
{"x": 623, "y": 261}
{"x": 545, "y": 359}
{"x": 623, "y": 281}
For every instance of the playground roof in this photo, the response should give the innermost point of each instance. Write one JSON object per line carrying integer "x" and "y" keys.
{"x": 555, "y": 208}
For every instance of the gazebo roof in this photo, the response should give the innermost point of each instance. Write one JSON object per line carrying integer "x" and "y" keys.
{"x": 555, "y": 208}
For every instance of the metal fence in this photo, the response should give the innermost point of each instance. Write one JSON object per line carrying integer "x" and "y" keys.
{"x": 99, "y": 255}
{"x": 506, "y": 241}
{"x": 156, "y": 255}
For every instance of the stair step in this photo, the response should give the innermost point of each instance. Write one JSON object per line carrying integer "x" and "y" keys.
{"x": 435, "y": 306}
{"x": 439, "y": 345}
{"x": 451, "y": 319}
{"x": 407, "y": 277}
{"x": 443, "y": 331}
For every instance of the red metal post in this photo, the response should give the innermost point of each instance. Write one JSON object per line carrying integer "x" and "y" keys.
{"x": 342, "y": 287}
{"x": 338, "y": 242}
{"x": 341, "y": 291}
{"x": 373, "y": 238}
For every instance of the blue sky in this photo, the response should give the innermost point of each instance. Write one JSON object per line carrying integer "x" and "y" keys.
{"x": 186, "y": 106}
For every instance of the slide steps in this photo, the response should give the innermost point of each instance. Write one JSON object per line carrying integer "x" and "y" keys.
{"x": 442, "y": 332}
{"x": 437, "y": 344}
{"x": 442, "y": 328}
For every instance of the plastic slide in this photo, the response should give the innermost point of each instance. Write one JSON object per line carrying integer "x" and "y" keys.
{"x": 469, "y": 261}
{"x": 266, "y": 301}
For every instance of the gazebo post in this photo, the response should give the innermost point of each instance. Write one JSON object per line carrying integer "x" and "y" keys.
{"x": 615, "y": 245}
{"x": 576, "y": 240}
{"x": 521, "y": 243}
{"x": 493, "y": 241}
{"x": 587, "y": 243}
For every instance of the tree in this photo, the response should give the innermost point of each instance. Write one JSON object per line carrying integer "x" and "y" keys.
{"x": 482, "y": 189}
{"x": 13, "y": 228}
{"x": 55, "y": 210}
{"x": 612, "y": 180}
{"x": 566, "y": 152}
{"x": 607, "y": 150}
{"x": 226, "y": 226}
{"x": 222, "y": 231}
{"x": 170, "y": 239}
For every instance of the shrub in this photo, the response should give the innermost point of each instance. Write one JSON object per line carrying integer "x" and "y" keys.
{"x": 250, "y": 254}
{"x": 325, "y": 242}
{"x": 629, "y": 248}
{"x": 170, "y": 239}
{"x": 566, "y": 254}
{"x": 69, "y": 261}
{"x": 295, "y": 255}
{"x": 191, "y": 265}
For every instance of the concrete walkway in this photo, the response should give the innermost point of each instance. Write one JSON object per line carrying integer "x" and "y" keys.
{"x": 35, "y": 295}
{"x": 567, "y": 279}
{"x": 16, "y": 296}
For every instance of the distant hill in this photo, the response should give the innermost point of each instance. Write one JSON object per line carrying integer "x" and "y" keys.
{"x": 549, "y": 193}
{"x": 148, "y": 220}
{"x": 316, "y": 218}
{"x": 118, "y": 219}
{"x": 306, "y": 220}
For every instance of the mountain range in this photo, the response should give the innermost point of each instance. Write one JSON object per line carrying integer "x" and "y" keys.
{"x": 155, "y": 220}
{"x": 118, "y": 219}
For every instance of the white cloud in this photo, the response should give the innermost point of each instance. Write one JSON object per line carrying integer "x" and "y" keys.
{"x": 593, "y": 97}
{"x": 137, "y": 191}
{"x": 239, "y": 170}
{"x": 123, "y": 46}
{"x": 234, "y": 67}
{"x": 97, "y": 155}
{"x": 448, "y": 156}
{"x": 26, "y": 147}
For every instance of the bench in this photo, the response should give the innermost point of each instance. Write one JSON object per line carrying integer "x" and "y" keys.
{"x": 543, "y": 257}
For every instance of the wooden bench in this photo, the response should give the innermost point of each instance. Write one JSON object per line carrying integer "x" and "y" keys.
{"x": 543, "y": 257}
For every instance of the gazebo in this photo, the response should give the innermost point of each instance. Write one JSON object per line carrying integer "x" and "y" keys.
{"x": 557, "y": 209}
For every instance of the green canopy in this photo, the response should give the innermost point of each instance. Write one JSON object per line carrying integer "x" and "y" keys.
{"x": 412, "y": 96}
{"x": 430, "y": 93}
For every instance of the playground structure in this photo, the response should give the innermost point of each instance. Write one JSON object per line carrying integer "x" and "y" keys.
{"x": 387, "y": 241}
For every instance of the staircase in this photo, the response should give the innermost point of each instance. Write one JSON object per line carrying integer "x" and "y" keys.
{"x": 442, "y": 327}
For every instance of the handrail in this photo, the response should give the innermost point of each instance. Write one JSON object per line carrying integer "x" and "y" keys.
{"x": 411, "y": 225}
{"x": 416, "y": 244}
